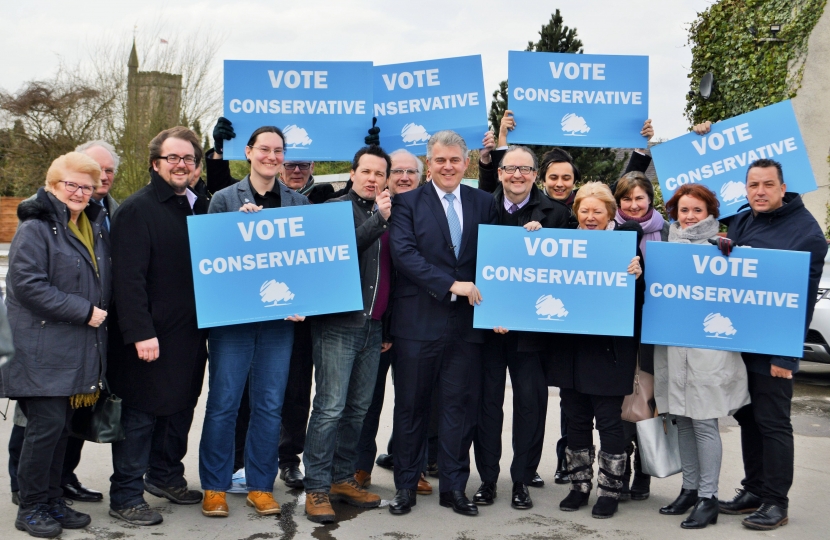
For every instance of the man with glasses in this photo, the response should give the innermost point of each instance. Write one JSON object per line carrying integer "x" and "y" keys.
{"x": 297, "y": 175}
{"x": 157, "y": 353}
{"x": 520, "y": 204}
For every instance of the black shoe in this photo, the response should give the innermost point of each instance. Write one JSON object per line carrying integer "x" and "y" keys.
{"x": 385, "y": 461}
{"x": 561, "y": 477}
{"x": 16, "y": 498}
{"x": 292, "y": 476}
{"x": 67, "y": 517}
{"x": 486, "y": 494}
{"x": 705, "y": 512}
{"x": 766, "y": 518}
{"x": 140, "y": 514}
{"x": 458, "y": 501}
{"x": 176, "y": 495}
{"x": 37, "y": 521}
{"x": 743, "y": 503}
{"x": 403, "y": 502}
{"x": 537, "y": 481}
{"x": 640, "y": 487}
{"x": 432, "y": 469}
{"x": 521, "y": 497}
{"x": 574, "y": 501}
{"x": 681, "y": 505}
{"x": 78, "y": 492}
{"x": 605, "y": 507}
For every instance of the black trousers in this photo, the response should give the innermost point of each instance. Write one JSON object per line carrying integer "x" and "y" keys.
{"x": 581, "y": 410}
{"x": 297, "y": 403}
{"x": 454, "y": 367}
{"x": 767, "y": 438}
{"x": 15, "y": 447}
{"x": 530, "y": 403}
{"x": 44, "y": 445}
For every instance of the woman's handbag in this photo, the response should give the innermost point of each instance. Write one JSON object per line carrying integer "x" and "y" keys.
{"x": 637, "y": 406}
{"x": 100, "y": 423}
{"x": 659, "y": 448}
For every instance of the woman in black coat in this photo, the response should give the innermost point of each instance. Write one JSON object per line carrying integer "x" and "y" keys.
{"x": 58, "y": 296}
{"x": 594, "y": 374}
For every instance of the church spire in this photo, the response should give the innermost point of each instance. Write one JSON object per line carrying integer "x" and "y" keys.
{"x": 133, "y": 62}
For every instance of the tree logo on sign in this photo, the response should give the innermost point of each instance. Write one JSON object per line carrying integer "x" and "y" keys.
{"x": 733, "y": 192}
{"x": 296, "y": 137}
{"x": 414, "y": 134}
{"x": 717, "y": 324}
{"x": 551, "y": 309}
{"x": 574, "y": 126}
{"x": 275, "y": 293}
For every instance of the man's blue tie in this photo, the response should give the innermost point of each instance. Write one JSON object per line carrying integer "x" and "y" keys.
{"x": 454, "y": 223}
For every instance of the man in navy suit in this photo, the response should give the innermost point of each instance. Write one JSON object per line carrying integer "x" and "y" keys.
{"x": 433, "y": 239}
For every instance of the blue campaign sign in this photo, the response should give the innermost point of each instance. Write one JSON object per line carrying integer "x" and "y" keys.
{"x": 555, "y": 280}
{"x": 567, "y": 99}
{"x": 720, "y": 159}
{"x": 274, "y": 263}
{"x": 323, "y": 108}
{"x": 416, "y": 99}
{"x": 755, "y": 300}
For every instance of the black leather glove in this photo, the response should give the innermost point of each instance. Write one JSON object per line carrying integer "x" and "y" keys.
{"x": 223, "y": 131}
{"x": 725, "y": 245}
{"x": 373, "y": 137}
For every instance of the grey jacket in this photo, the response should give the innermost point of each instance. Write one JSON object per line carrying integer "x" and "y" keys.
{"x": 52, "y": 288}
{"x": 231, "y": 198}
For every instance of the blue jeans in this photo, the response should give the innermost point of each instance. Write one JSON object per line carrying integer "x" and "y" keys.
{"x": 259, "y": 353}
{"x": 345, "y": 370}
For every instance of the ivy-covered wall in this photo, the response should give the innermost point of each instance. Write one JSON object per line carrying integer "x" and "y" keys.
{"x": 750, "y": 71}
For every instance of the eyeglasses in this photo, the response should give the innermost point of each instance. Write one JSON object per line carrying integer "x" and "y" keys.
{"x": 524, "y": 169}
{"x": 402, "y": 172}
{"x": 268, "y": 151}
{"x": 301, "y": 166}
{"x": 173, "y": 159}
{"x": 72, "y": 187}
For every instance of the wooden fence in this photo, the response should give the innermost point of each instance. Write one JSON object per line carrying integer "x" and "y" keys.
{"x": 8, "y": 217}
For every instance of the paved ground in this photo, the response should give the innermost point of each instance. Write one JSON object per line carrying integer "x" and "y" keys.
{"x": 428, "y": 520}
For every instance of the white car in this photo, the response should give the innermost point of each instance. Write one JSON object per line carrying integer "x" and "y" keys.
{"x": 816, "y": 348}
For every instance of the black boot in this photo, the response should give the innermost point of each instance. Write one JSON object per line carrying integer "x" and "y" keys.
{"x": 640, "y": 487}
{"x": 609, "y": 482}
{"x": 705, "y": 512}
{"x": 625, "y": 494}
{"x": 684, "y": 501}
{"x": 767, "y": 517}
{"x": 743, "y": 503}
{"x": 580, "y": 471}
{"x": 561, "y": 476}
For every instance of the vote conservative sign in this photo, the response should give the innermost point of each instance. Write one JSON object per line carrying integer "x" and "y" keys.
{"x": 555, "y": 280}
{"x": 416, "y": 99}
{"x": 755, "y": 300}
{"x": 567, "y": 99}
{"x": 720, "y": 159}
{"x": 323, "y": 108}
{"x": 274, "y": 263}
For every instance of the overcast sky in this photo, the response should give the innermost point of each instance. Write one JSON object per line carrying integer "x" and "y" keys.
{"x": 35, "y": 35}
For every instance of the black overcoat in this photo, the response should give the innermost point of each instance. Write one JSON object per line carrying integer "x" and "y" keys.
{"x": 154, "y": 297}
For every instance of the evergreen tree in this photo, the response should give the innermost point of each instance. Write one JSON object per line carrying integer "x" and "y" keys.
{"x": 593, "y": 163}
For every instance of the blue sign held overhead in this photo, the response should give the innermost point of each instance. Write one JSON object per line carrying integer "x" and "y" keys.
{"x": 720, "y": 159}
{"x": 323, "y": 108}
{"x": 555, "y": 280}
{"x": 696, "y": 297}
{"x": 565, "y": 99}
{"x": 416, "y": 99}
{"x": 274, "y": 263}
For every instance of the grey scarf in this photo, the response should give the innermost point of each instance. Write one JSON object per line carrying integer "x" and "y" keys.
{"x": 698, "y": 233}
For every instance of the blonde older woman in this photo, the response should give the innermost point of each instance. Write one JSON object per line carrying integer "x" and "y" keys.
{"x": 594, "y": 374}
{"x": 58, "y": 294}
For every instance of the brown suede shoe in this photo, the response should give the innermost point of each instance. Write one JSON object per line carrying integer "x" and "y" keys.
{"x": 423, "y": 486}
{"x": 214, "y": 505}
{"x": 351, "y": 493}
{"x": 318, "y": 508}
{"x": 363, "y": 478}
{"x": 263, "y": 502}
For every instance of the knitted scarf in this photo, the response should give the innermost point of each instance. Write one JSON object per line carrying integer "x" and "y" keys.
{"x": 698, "y": 233}
{"x": 652, "y": 223}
